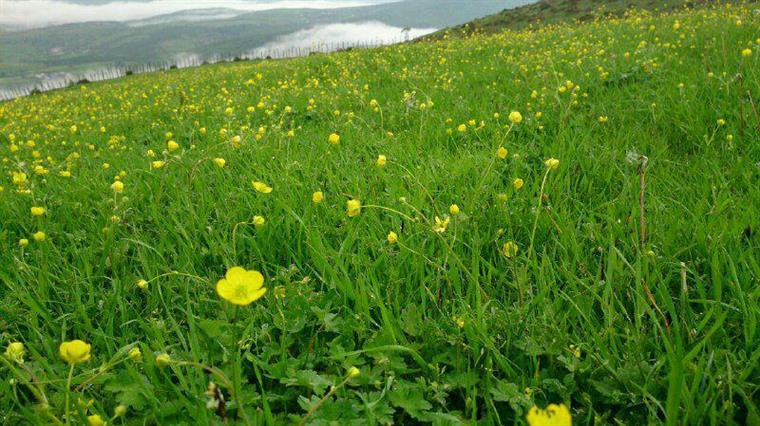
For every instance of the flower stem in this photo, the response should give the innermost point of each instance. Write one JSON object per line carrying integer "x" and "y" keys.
{"x": 68, "y": 393}
{"x": 538, "y": 210}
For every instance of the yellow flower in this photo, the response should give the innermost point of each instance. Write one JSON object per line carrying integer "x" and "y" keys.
{"x": 747, "y": 52}
{"x": 39, "y": 236}
{"x": 15, "y": 352}
{"x": 220, "y": 162}
{"x": 19, "y": 178}
{"x": 241, "y": 287}
{"x": 258, "y": 221}
{"x": 454, "y": 209}
{"x": 75, "y": 351}
{"x": 120, "y": 410}
{"x": 162, "y": 360}
{"x": 353, "y": 372}
{"x": 157, "y": 164}
{"x": 262, "y": 187}
{"x": 553, "y": 415}
{"x": 353, "y": 208}
{"x": 95, "y": 420}
{"x": 509, "y": 249}
{"x": 515, "y": 117}
{"x": 518, "y": 183}
{"x": 317, "y": 197}
{"x": 602, "y": 119}
{"x": 441, "y": 225}
{"x": 23, "y": 242}
{"x": 279, "y": 291}
{"x": 502, "y": 152}
{"x": 381, "y": 160}
{"x": 37, "y": 211}
{"x": 117, "y": 186}
{"x": 552, "y": 163}
{"x": 462, "y": 128}
{"x": 459, "y": 321}
{"x": 172, "y": 146}
{"x": 334, "y": 138}
{"x": 135, "y": 354}
{"x": 142, "y": 284}
{"x": 392, "y": 237}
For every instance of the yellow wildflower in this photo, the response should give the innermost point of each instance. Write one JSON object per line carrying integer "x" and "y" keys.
{"x": 552, "y": 163}
{"x": 553, "y": 415}
{"x": 241, "y": 287}
{"x": 502, "y": 152}
{"x": 353, "y": 208}
{"x": 75, "y": 351}
{"x": 509, "y": 249}
{"x": 15, "y": 352}
{"x": 392, "y": 237}
{"x": 515, "y": 117}
{"x": 441, "y": 224}
{"x": 162, "y": 360}
{"x": 95, "y": 420}
{"x": 262, "y": 187}
{"x": 135, "y": 354}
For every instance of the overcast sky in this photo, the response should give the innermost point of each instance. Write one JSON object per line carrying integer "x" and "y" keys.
{"x": 19, "y": 14}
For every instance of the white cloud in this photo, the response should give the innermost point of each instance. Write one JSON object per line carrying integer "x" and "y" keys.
{"x": 22, "y": 14}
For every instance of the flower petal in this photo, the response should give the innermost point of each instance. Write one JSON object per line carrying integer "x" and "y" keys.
{"x": 225, "y": 289}
{"x": 235, "y": 274}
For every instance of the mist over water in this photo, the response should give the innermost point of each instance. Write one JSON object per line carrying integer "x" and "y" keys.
{"x": 328, "y": 37}
{"x": 26, "y": 14}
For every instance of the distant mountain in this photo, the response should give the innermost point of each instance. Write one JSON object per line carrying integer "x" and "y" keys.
{"x": 82, "y": 46}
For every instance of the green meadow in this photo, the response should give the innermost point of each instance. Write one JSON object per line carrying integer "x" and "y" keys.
{"x": 443, "y": 232}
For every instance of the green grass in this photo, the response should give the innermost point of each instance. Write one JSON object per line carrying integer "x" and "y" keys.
{"x": 546, "y": 12}
{"x": 622, "y": 327}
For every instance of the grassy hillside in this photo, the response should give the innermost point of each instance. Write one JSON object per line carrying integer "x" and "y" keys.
{"x": 545, "y": 12}
{"x": 444, "y": 233}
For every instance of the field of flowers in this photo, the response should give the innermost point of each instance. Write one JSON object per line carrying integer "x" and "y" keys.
{"x": 457, "y": 232}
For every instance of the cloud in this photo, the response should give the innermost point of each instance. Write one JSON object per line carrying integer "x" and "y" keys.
{"x": 24, "y": 14}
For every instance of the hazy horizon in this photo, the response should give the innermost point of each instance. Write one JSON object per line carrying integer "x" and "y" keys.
{"x": 17, "y": 15}
{"x": 101, "y": 39}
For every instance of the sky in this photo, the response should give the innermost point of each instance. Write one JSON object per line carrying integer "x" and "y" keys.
{"x": 25, "y": 14}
